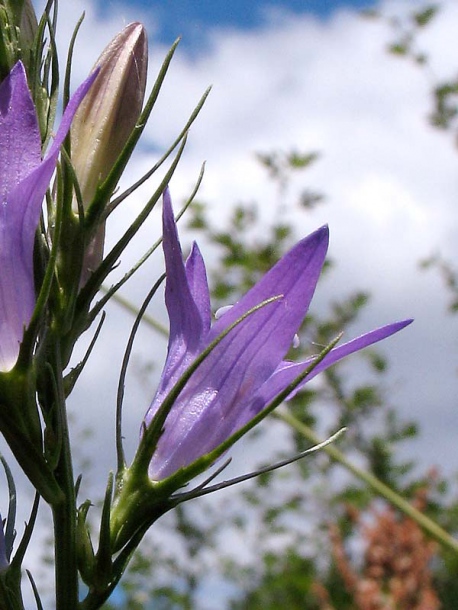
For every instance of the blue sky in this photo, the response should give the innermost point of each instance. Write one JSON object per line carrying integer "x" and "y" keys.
{"x": 190, "y": 18}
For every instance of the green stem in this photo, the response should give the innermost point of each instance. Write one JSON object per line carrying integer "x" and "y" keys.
{"x": 64, "y": 512}
{"x": 64, "y": 515}
{"x": 428, "y": 525}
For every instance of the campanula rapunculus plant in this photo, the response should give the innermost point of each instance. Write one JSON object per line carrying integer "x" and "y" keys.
{"x": 246, "y": 370}
{"x": 221, "y": 377}
{"x": 24, "y": 179}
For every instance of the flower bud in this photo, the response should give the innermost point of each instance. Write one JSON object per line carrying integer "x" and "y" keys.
{"x": 106, "y": 118}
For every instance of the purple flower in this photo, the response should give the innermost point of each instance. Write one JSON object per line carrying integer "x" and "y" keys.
{"x": 24, "y": 179}
{"x": 246, "y": 370}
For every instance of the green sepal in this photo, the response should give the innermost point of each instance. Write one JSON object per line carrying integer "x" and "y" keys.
{"x": 36, "y": 594}
{"x": 18, "y": 26}
{"x": 84, "y": 549}
{"x": 138, "y": 500}
{"x": 21, "y": 428}
{"x": 103, "y": 566}
{"x": 10, "y": 529}
{"x": 10, "y": 589}
{"x": 83, "y": 317}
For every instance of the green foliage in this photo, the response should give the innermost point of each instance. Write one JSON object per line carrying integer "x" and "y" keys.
{"x": 445, "y": 98}
{"x": 406, "y": 30}
{"x": 287, "y": 582}
{"x": 424, "y": 17}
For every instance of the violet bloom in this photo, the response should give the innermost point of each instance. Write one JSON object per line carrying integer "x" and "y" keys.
{"x": 24, "y": 179}
{"x": 246, "y": 370}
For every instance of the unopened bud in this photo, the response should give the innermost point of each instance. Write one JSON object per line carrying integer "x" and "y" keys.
{"x": 110, "y": 110}
{"x": 107, "y": 117}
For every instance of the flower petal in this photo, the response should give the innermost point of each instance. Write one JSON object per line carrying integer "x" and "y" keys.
{"x": 251, "y": 352}
{"x": 188, "y": 313}
{"x": 20, "y": 150}
{"x": 188, "y": 303}
{"x": 287, "y": 372}
{"x": 204, "y": 414}
{"x": 245, "y": 370}
{"x": 198, "y": 285}
{"x": 19, "y": 217}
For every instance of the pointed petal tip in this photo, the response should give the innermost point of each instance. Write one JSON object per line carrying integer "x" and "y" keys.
{"x": 166, "y": 196}
{"x": 17, "y": 73}
{"x": 135, "y": 26}
{"x": 167, "y": 210}
{"x": 407, "y": 321}
{"x": 320, "y": 236}
{"x": 396, "y": 326}
{"x": 316, "y": 243}
{"x": 135, "y": 29}
{"x": 324, "y": 233}
{"x": 18, "y": 67}
{"x": 382, "y": 332}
